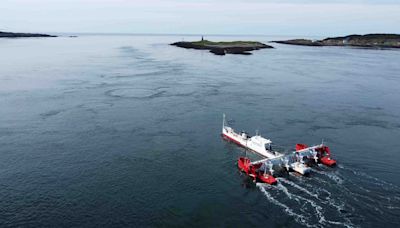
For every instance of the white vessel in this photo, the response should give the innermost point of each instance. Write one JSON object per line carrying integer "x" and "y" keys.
{"x": 263, "y": 147}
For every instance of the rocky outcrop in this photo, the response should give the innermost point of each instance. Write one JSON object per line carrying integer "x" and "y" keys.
{"x": 21, "y": 35}
{"x": 223, "y": 48}
{"x": 303, "y": 42}
{"x": 369, "y": 41}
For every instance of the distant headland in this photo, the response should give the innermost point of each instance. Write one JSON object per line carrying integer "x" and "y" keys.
{"x": 367, "y": 41}
{"x": 22, "y": 35}
{"x": 222, "y": 48}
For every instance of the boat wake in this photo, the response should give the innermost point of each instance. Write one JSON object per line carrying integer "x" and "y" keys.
{"x": 298, "y": 217}
{"x": 321, "y": 202}
{"x": 305, "y": 206}
{"x": 330, "y": 175}
{"x": 332, "y": 197}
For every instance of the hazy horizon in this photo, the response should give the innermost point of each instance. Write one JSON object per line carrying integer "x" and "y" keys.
{"x": 236, "y": 17}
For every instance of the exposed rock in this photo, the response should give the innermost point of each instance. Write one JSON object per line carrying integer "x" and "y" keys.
{"x": 222, "y": 48}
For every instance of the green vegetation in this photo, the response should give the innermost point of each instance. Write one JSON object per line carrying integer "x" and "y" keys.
{"x": 224, "y": 47}
{"x": 207, "y": 42}
{"x": 367, "y": 41}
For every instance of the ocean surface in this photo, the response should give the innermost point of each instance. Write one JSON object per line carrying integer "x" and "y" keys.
{"x": 124, "y": 131}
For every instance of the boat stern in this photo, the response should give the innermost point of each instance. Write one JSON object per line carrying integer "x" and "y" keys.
{"x": 328, "y": 161}
{"x": 268, "y": 179}
{"x": 301, "y": 168}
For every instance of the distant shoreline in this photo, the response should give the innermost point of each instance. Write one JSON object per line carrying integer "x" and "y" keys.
{"x": 366, "y": 41}
{"x": 22, "y": 35}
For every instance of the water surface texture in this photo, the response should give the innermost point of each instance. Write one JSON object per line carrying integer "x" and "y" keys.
{"x": 119, "y": 131}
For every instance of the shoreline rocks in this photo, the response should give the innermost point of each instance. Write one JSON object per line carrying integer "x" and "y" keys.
{"x": 366, "y": 41}
{"x": 223, "y": 48}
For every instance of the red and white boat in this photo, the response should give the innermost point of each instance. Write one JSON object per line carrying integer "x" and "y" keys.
{"x": 255, "y": 171}
{"x": 296, "y": 161}
{"x": 319, "y": 153}
{"x": 263, "y": 147}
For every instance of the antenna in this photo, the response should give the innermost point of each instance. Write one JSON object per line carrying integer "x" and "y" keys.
{"x": 245, "y": 149}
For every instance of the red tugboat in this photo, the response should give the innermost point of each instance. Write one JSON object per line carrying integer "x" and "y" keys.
{"x": 321, "y": 153}
{"x": 254, "y": 171}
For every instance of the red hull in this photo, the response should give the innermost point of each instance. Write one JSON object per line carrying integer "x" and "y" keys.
{"x": 323, "y": 153}
{"x": 231, "y": 139}
{"x": 244, "y": 164}
{"x": 266, "y": 178}
{"x": 300, "y": 146}
{"x": 328, "y": 161}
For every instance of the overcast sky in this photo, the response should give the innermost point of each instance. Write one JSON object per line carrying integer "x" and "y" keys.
{"x": 267, "y": 17}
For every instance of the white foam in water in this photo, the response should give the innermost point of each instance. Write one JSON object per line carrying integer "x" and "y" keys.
{"x": 318, "y": 209}
{"x": 328, "y": 200}
{"x": 299, "y": 218}
{"x": 334, "y": 177}
{"x": 284, "y": 189}
{"x": 298, "y": 187}
{"x": 375, "y": 181}
{"x": 384, "y": 198}
{"x": 324, "y": 190}
{"x": 298, "y": 198}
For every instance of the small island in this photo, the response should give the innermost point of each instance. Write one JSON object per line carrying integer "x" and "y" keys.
{"x": 222, "y": 48}
{"x": 22, "y": 35}
{"x": 366, "y": 41}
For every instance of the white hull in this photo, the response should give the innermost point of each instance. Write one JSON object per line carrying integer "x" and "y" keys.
{"x": 254, "y": 143}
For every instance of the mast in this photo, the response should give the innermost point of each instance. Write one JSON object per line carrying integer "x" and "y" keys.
{"x": 223, "y": 120}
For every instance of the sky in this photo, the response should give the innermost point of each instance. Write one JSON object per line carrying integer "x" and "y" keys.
{"x": 242, "y": 17}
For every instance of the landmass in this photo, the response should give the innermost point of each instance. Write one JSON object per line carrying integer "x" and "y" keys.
{"x": 21, "y": 35}
{"x": 368, "y": 41}
{"x": 222, "y": 48}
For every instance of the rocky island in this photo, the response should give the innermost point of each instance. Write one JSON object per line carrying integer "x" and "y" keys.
{"x": 22, "y": 35}
{"x": 368, "y": 41}
{"x": 222, "y": 48}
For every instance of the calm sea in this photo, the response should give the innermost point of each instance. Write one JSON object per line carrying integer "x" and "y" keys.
{"x": 119, "y": 131}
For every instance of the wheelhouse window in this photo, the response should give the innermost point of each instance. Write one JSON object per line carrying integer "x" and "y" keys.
{"x": 268, "y": 146}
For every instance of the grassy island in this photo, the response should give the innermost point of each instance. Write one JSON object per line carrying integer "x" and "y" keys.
{"x": 222, "y": 48}
{"x": 368, "y": 41}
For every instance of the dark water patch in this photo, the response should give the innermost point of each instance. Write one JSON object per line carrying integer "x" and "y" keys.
{"x": 167, "y": 133}
{"x": 299, "y": 121}
{"x": 137, "y": 130}
{"x": 7, "y": 131}
{"x": 75, "y": 82}
{"x": 51, "y": 113}
{"x": 165, "y": 120}
{"x": 138, "y": 93}
{"x": 366, "y": 122}
{"x": 93, "y": 110}
{"x": 317, "y": 128}
{"x": 132, "y": 52}
{"x": 372, "y": 108}
{"x": 147, "y": 73}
